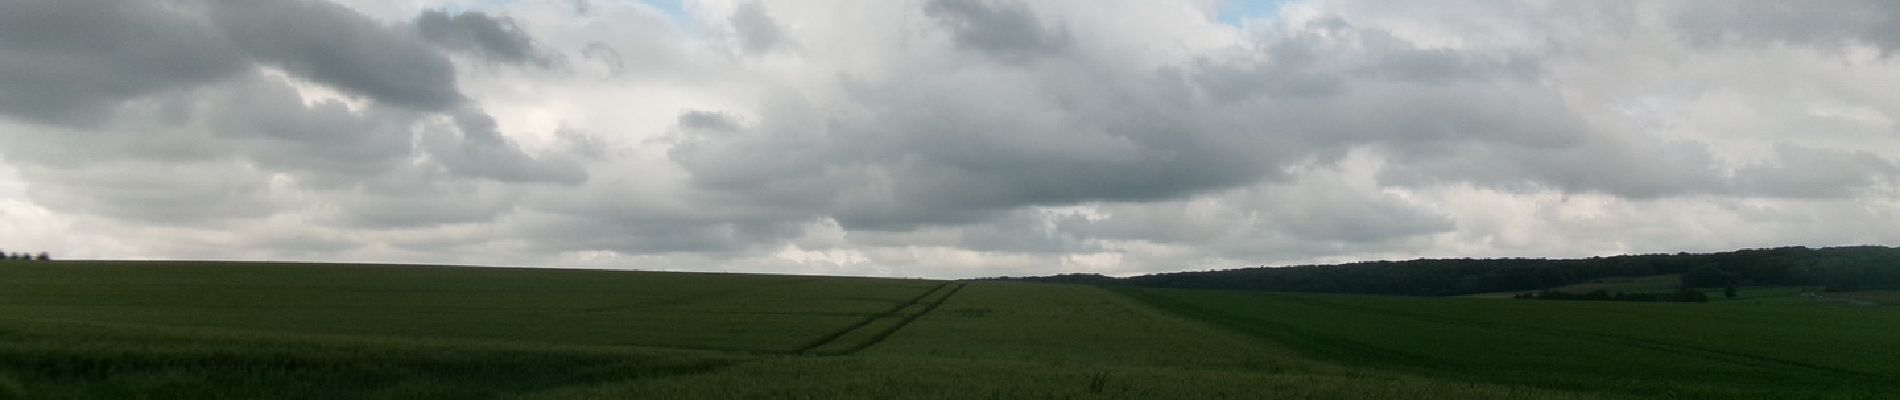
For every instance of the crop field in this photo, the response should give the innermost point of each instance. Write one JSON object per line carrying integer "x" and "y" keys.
{"x": 1783, "y": 351}
{"x": 1885, "y": 298}
{"x": 233, "y": 330}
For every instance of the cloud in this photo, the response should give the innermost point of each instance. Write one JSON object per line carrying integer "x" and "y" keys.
{"x": 64, "y": 61}
{"x": 340, "y": 47}
{"x": 944, "y": 138}
{"x": 757, "y": 31}
{"x": 496, "y": 38}
{"x": 160, "y": 193}
{"x": 1004, "y": 29}
{"x": 240, "y": 111}
{"x": 1832, "y": 23}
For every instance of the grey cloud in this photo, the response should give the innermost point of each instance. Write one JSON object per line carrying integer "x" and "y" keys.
{"x": 169, "y": 193}
{"x": 155, "y": 84}
{"x": 607, "y": 56}
{"x": 255, "y": 118}
{"x": 340, "y": 47}
{"x": 593, "y": 233}
{"x": 1020, "y": 231}
{"x": 174, "y": 114}
{"x": 325, "y": 144}
{"x": 1826, "y": 23}
{"x": 923, "y": 150}
{"x": 1442, "y": 116}
{"x": 1643, "y": 171}
{"x": 1801, "y": 172}
{"x": 1160, "y": 222}
{"x": 478, "y": 149}
{"x": 618, "y": 213}
{"x": 67, "y": 61}
{"x": 1639, "y": 168}
{"x": 1004, "y": 29}
{"x": 1443, "y": 66}
{"x": 708, "y": 120}
{"x": 416, "y": 199}
{"x": 758, "y": 32}
{"x": 927, "y": 149}
{"x": 296, "y": 245}
{"x": 64, "y": 62}
{"x": 1328, "y": 212}
{"x": 1312, "y": 209}
{"x": 1389, "y": 57}
{"x": 1318, "y": 62}
{"x": 923, "y": 156}
{"x": 494, "y": 37}
{"x": 1229, "y": 83}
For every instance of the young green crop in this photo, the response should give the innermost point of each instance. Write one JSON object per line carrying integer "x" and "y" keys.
{"x": 1006, "y": 340}
{"x": 712, "y": 311}
{"x": 233, "y": 330}
{"x": 1622, "y": 349}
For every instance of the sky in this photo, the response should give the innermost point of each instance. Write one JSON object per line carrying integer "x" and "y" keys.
{"x": 942, "y": 138}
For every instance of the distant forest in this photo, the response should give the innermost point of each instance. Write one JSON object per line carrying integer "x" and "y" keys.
{"x": 1834, "y": 269}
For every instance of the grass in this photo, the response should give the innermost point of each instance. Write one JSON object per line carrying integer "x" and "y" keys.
{"x": 75, "y": 330}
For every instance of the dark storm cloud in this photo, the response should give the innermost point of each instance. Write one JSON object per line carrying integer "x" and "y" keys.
{"x": 758, "y": 32}
{"x": 497, "y": 38}
{"x": 1004, "y": 29}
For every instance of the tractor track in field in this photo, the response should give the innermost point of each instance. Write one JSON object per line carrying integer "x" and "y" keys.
{"x": 947, "y": 288}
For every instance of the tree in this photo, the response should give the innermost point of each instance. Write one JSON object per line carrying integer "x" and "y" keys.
{"x": 1705, "y": 276}
{"x": 48, "y": 257}
{"x": 1728, "y": 291}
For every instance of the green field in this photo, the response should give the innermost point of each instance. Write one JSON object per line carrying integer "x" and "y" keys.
{"x": 128, "y": 330}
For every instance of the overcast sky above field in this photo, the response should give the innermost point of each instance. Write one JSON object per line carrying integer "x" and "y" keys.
{"x": 943, "y": 138}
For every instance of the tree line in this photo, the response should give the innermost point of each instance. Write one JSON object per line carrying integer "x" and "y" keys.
{"x": 1834, "y": 268}
{"x": 23, "y": 256}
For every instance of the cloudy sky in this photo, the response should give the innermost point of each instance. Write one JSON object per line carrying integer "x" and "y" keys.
{"x": 943, "y": 138}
